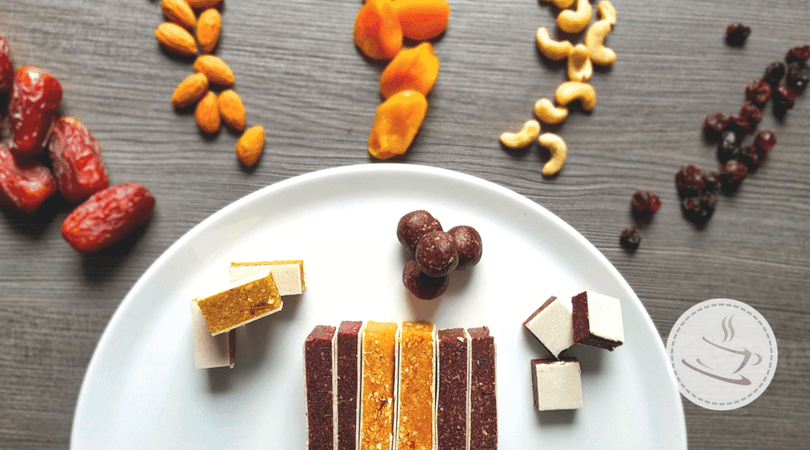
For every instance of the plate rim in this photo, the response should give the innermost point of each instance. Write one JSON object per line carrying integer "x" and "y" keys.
{"x": 348, "y": 170}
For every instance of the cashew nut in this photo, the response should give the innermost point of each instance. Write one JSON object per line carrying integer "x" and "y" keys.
{"x": 594, "y": 40}
{"x": 574, "y": 21}
{"x": 554, "y": 50}
{"x": 562, "y": 4}
{"x": 556, "y": 147}
{"x": 607, "y": 12}
{"x": 548, "y": 113}
{"x": 524, "y": 137}
{"x": 579, "y": 64}
{"x": 576, "y": 90}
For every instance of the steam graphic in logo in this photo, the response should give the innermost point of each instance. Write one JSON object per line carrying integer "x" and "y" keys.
{"x": 723, "y": 354}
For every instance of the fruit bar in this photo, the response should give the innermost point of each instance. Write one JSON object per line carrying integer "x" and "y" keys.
{"x": 318, "y": 375}
{"x": 597, "y": 320}
{"x": 347, "y": 362}
{"x": 483, "y": 405}
{"x": 556, "y": 384}
{"x": 416, "y": 420}
{"x": 240, "y": 303}
{"x": 377, "y": 404}
{"x": 211, "y": 351}
{"x": 288, "y": 275}
{"x": 452, "y": 414}
{"x": 552, "y": 325}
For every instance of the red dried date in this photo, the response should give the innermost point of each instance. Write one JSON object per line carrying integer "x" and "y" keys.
{"x": 24, "y": 185}
{"x": 108, "y": 216}
{"x": 35, "y": 96}
{"x": 76, "y": 158}
{"x": 6, "y": 67}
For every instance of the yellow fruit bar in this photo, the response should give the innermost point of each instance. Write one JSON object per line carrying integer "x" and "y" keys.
{"x": 377, "y": 397}
{"x": 415, "y": 418}
{"x": 241, "y": 302}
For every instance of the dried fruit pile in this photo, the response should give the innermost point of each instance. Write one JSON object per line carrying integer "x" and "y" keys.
{"x": 210, "y": 72}
{"x": 378, "y": 32}
{"x": 781, "y": 82}
{"x": 107, "y": 214}
{"x": 580, "y": 69}
{"x": 435, "y": 253}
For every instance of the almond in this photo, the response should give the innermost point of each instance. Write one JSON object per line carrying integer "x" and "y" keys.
{"x": 204, "y": 4}
{"x": 178, "y": 12}
{"x": 190, "y": 90}
{"x": 207, "y": 114}
{"x": 249, "y": 146}
{"x": 214, "y": 69}
{"x": 176, "y": 39}
{"x": 232, "y": 110}
{"x": 208, "y": 28}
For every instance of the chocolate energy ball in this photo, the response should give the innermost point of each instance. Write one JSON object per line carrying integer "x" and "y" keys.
{"x": 437, "y": 254}
{"x": 421, "y": 285}
{"x": 413, "y": 226}
{"x": 468, "y": 244}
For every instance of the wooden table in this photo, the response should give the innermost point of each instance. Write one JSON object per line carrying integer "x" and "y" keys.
{"x": 302, "y": 78}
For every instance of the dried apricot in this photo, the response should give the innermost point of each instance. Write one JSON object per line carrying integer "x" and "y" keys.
{"x": 396, "y": 123}
{"x": 414, "y": 68}
{"x": 422, "y": 19}
{"x": 377, "y": 31}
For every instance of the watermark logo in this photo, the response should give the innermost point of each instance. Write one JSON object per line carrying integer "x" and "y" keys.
{"x": 723, "y": 354}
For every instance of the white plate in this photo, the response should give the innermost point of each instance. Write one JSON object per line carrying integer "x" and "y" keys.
{"x": 142, "y": 391}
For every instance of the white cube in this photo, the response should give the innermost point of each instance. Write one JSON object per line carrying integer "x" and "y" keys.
{"x": 551, "y": 324}
{"x": 556, "y": 384}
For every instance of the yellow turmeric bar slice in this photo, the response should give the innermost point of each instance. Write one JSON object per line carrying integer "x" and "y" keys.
{"x": 241, "y": 302}
{"x": 377, "y": 398}
{"x": 416, "y": 420}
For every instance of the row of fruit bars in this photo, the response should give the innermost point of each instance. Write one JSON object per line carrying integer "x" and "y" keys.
{"x": 388, "y": 387}
{"x": 254, "y": 292}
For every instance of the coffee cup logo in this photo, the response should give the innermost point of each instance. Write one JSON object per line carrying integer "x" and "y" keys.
{"x": 723, "y": 354}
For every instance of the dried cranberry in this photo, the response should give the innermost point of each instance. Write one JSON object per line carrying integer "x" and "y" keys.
{"x": 758, "y": 91}
{"x": 421, "y": 285}
{"x": 24, "y": 185}
{"x": 6, "y": 67}
{"x": 783, "y": 100}
{"x": 798, "y": 75}
{"x": 699, "y": 209}
{"x": 765, "y": 140}
{"x": 798, "y": 54}
{"x": 739, "y": 125}
{"x": 645, "y": 204}
{"x": 711, "y": 180}
{"x": 76, "y": 158}
{"x": 752, "y": 114}
{"x": 732, "y": 174}
{"x": 689, "y": 181}
{"x": 108, "y": 216}
{"x": 34, "y": 100}
{"x": 713, "y": 125}
{"x": 752, "y": 156}
{"x": 630, "y": 238}
{"x": 774, "y": 73}
{"x": 736, "y": 34}
{"x": 729, "y": 147}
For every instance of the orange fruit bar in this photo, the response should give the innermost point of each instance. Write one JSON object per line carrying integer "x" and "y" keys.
{"x": 377, "y": 397}
{"x": 416, "y": 420}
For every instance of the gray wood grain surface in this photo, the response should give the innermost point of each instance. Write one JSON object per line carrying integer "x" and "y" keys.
{"x": 302, "y": 78}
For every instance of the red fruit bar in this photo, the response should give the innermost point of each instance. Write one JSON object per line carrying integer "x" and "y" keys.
{"x": 454, "y": 383}
{"x": 24, "y": 185}
{"x": 483, "y": 405}
{"x": 348, "y": 384}
{"x": 318, "y": 376}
